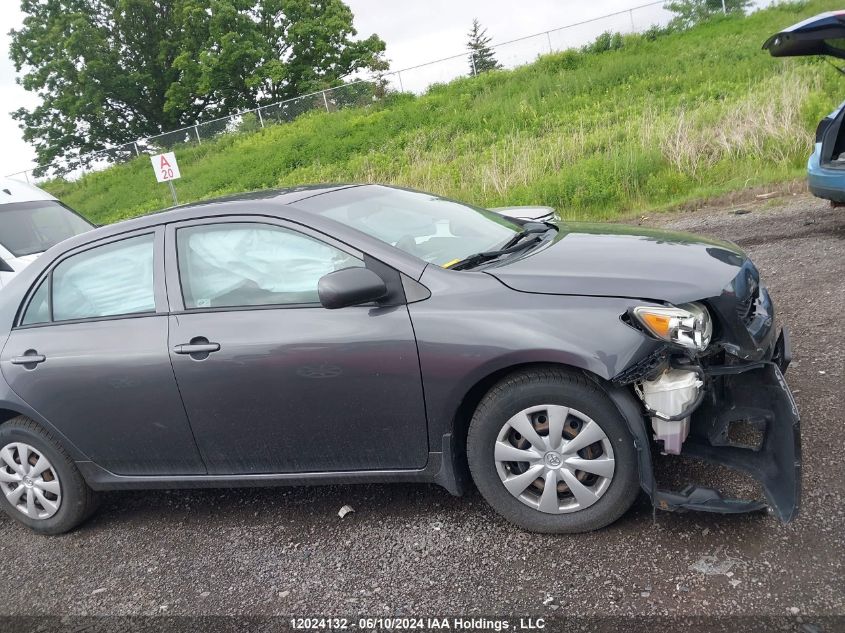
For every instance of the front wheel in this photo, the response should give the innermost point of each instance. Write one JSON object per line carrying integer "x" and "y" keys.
{"x": 551, "y": 453}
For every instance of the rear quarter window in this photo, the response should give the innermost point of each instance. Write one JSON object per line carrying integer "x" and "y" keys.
{"x": 38, "y": 310}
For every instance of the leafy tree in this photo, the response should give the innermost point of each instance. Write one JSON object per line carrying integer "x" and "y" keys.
{"x": 690, "y": 12}
{"x": 481, "y": 57}
{"x": 111, "y": 71}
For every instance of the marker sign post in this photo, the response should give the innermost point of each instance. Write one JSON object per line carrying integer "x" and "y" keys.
{"x": 167, "y": 170}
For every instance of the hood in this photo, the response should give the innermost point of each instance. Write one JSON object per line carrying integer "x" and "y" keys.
{"x": 823, "y": 34}
{"x": 10, "y": 265}
{"x": 19, "y": 263}
{"x": 614, "y": 260}
{"x": 16, "y": 191}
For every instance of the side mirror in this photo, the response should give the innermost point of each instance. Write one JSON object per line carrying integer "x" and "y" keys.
{"x": 350, "y": 287}
{"x": 4, "y": 266}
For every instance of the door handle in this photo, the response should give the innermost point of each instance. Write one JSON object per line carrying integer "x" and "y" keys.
{"x": 195, "y": 348}
{"x": 30, "y": 357}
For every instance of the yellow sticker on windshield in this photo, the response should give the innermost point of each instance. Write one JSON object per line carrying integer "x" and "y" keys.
{"x": 451, "y": 263}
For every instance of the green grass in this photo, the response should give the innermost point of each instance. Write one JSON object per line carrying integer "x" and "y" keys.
{"x": 658, "y": 122}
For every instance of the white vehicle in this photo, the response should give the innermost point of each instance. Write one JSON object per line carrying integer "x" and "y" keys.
{"x": 31, "y": 221}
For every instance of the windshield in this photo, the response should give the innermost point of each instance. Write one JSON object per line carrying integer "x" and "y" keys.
{"x": 437, "y": 230}
{"x": 33, "y": 227}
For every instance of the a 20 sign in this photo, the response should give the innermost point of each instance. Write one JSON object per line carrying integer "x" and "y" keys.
{"x": 165, "y": 167}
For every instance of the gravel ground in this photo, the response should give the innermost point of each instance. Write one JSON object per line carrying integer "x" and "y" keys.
{"x": 415, "y": 550}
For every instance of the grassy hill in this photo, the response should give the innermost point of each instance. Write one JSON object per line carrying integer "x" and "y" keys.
{"x": 663, "y": 119}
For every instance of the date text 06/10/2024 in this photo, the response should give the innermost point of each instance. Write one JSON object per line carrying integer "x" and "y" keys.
{"x": 417, "y": 624}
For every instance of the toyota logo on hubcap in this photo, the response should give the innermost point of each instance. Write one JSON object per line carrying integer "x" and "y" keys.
{"x": 553, "y": 460}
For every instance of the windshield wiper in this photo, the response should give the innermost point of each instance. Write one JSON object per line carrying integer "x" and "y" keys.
{"x": 529, "y": 228}
{"x": 514, "y": 245}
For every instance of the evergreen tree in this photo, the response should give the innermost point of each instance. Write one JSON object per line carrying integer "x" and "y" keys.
{"x": 481, "y": 57}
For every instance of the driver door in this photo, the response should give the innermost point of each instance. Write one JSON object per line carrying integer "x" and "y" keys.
{"x": 273, "y": 382}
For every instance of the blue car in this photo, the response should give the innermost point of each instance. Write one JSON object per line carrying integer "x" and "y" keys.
{"x": 823, "y": 34}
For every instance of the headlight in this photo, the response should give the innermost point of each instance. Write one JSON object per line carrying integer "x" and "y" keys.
{"x": 688, "y": 325}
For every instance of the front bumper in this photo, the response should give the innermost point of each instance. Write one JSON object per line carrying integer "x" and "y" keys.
{"x": 754, "y": 399}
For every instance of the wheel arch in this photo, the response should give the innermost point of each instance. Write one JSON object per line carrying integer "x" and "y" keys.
{"x": 8, "y": 414}
{"x": 622, "y": 398}
{"x": 10, "y": 411}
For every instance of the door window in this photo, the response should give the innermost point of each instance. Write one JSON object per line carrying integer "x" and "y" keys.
{"x": 115, "y": 279}
{"x": 251, "y": 264}
{"x": 110, "y": 280}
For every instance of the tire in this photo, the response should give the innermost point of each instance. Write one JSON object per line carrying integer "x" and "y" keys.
{"x": 541, "y": 391}
{"x": 75, "y": 500}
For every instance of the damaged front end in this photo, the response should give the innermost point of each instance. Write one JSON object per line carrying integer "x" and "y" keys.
{"x": 723, "y": 401}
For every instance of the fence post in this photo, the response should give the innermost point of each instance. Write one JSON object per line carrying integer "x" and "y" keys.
{"x": 472, "y": 57}
{"x": 326, "y": 101}
{"x": 26, "y": 175}
{"x": 401, "y": 87}
{"x": 260, "y": 118}
{"x": 724, "y": 8}
{"x": 135, "y": 144}
{"x": 197, "y": 132}
{"x": 173, "y": 193}
{"x": 549, "y": 40}
{"x": 631, "y": 13}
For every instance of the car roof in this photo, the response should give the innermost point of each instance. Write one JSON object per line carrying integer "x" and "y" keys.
{"x": 226, "y": 205}
{"x": 12, "y": 190}
{"x": 283, "y": 196}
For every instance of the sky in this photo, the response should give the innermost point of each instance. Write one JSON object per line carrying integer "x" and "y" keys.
{"x": 415, "y": 33}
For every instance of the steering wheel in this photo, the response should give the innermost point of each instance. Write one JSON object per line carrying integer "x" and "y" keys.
{"x": 408, "y": 244}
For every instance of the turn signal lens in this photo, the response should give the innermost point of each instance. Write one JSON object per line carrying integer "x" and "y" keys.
{"x": 688, "y": 325}
{"x": 658, "y": 324}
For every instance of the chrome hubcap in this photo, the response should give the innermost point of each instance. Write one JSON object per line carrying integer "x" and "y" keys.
{"x": 554, "y": 459}
{"x": 29, "y": 481}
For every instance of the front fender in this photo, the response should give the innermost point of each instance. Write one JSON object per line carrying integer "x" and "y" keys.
{"x": 473, "y": 327}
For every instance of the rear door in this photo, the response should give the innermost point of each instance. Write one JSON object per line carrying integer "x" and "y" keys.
{"x": 272, "y": 381}
{"x": 89, "y": 354}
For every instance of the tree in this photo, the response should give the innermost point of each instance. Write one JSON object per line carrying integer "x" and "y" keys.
{"x": 111, "y": 71}
{"x": 690, "y": 12}
{"x": 481, "y": 57}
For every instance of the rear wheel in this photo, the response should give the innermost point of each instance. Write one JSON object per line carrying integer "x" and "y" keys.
{"x": 550, "y": 452}
{"x": 41, "y": 486}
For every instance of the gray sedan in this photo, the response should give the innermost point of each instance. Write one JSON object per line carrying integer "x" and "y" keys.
{"x": 341, "y": 334}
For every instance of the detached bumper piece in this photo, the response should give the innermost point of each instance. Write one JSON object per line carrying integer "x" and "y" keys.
{"x": 749, "y": 423}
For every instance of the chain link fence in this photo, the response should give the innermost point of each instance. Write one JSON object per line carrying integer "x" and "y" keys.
{"x": 362, "y": 92}
{"x": 353, "y": 94}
